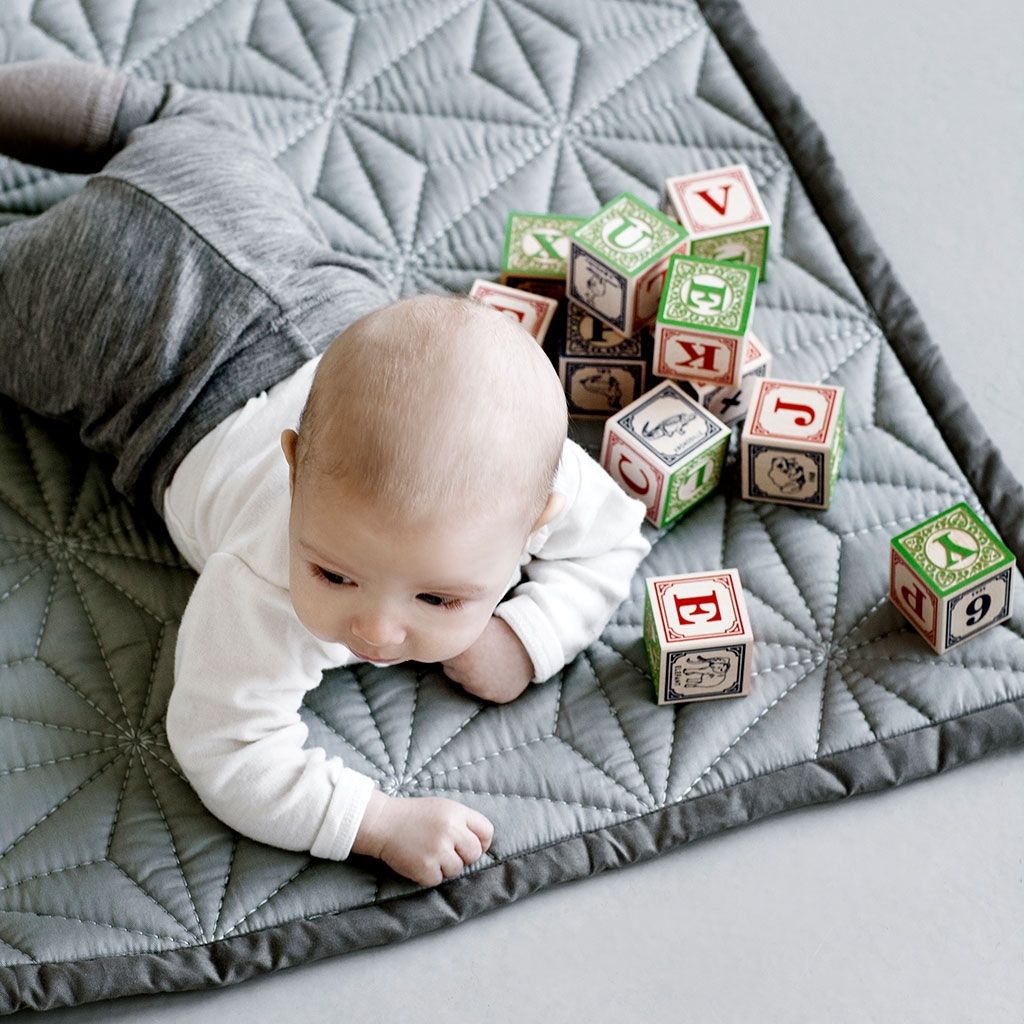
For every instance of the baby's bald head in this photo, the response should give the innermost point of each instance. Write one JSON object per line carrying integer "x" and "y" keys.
{"x": 435, "y": 405}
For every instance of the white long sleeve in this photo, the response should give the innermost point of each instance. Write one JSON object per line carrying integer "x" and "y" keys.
{"x": 243, "y": 663}
{"x": 581, "y": 566}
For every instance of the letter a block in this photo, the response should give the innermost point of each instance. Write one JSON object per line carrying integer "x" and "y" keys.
{"x": 701, "y": 328}
{"x": 537, "y": 251}
{"x": 723, "y": 214}
{"x": 617, "y": 262}
{"x": 534, "y": 312}
{"x": 697, "y": 636}
{"x": 951, "y": 577}
{"x": 666, "y": 450}
{"x": 792, "y": 442}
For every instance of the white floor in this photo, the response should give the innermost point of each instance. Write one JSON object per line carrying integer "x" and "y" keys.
{"x": 903, "y": 906}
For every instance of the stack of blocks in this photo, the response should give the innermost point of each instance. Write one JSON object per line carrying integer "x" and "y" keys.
{"x": 652, "y": 312}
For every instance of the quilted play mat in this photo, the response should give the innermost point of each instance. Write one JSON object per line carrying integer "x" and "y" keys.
{"x": 414, "y": 128}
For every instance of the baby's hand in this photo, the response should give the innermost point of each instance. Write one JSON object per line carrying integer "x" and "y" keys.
{"x": 496, "y": 667}
{"x": 427, "y": 839}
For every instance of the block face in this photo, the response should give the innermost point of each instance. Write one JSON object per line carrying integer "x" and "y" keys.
{"x": 601, "y": 289}
{"x": 637, "y": 476}
{"x": 534, "y": 312}
{"x": 698, "y": 606}
{"x": 917, "y": 603}
{"x": 668, "y": 425}
{"x": 628, "y": 235}
{"x": 700, "y": 674}
{"x": 745, "y": 247}
{"x": 693, "y": 482}
{"x": 708, "y": 296}
{"x": 730, "y": 405}
{"x": 952, "y": 549}
{"x": 703, "y": 358}
{"x": 585, "y": 335}
{"x": 721, "y": 200}
{"x": 978, "y": 607}
{"x": 537, "y": 244}
{"x": 599, "y": 388}
{"x": 784, "y": 475}
{"x": 794, "y": 411}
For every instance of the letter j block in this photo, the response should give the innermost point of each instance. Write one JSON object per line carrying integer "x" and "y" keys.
{"x": 951, "y": 577}
{"x": 697, "y": 636}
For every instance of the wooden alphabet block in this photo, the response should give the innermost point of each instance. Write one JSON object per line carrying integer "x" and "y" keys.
{"x": 723, "y": 214}
{"x": 617, "y": 262}
{"x": 697, "y": 636}
{"x": 702, "y": 321}
{"x": 534, "y": 312}
{"x": 951, "y": 577}
{"x": 666, "y": 450}
{"x": 792, "y": 442}
{"x": 537, "y": 251}
{"x": 730, "y": 404}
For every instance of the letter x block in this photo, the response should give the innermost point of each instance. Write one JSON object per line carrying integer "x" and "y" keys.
{"x": 534, "y": 312}
{"x": 537, "y": 251}
{"x": 730, "y": 404}
{"x": 702, "y": 322}
{"x": 723, "y": 214}
{"x": 697, "y": 636}
{"x": 617, "y": 262}
{"x": 951, "y": 577}
{"x": 666, "y": 450}
{"x": 792, "y": 442}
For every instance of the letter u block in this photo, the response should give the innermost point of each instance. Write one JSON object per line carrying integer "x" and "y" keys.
{"x": 792, "y": 442}
{"x": 697, "y": 636}
{"x": 702, "y": 322}
{"x": 722, "y": 211}
{"x": 666, "y": 450}
{"x": 951, "y": 577}
{"x": 534, "y": 312}
{"x": 618, "y": 259}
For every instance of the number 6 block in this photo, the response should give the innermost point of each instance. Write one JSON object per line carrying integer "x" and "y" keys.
{"x": 951, "y": 577}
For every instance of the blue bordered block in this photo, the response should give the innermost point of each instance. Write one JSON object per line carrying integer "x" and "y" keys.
{"x": 697, "y": 636}
{"x": 666, "y": 450}
{"x": 792, "y": 442}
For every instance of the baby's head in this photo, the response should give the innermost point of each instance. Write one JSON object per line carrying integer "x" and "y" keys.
{"x": 424, "y": 459}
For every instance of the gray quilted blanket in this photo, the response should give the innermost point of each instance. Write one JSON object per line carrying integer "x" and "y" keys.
{"x": 414, "y": 128}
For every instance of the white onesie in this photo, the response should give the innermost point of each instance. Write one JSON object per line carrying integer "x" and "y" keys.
{"x": 243, "y": 660}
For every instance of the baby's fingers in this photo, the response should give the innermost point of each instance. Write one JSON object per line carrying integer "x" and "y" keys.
{"x": 482, "y": 827}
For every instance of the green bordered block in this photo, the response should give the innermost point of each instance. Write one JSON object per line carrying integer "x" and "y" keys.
{"x": 618, "y": 260}
{"x": 536, "y": 246}
{"x": 666, "y": 450}
{"x": 723, "y": 213}
{"x": 951, "y": 577}
{"x": 697, "y": 636}
{"x": 702, "y": 320}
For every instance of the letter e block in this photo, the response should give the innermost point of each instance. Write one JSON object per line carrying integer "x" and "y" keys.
{"x": 792, "y": 442}
{"x": 666, "y": 450}
{"x": 951, "y": 577}
{"x": 618, "y": 259}
{"x": 534, "y": 312}
{"x": 723, "y": 213}
{"x": 697, "y": 636}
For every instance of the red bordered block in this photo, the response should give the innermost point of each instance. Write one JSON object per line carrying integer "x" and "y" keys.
{"x": 730, "y": 404}
{"x": 533, "y": 311}
{"x": 792, "y": 442}
{"x": 697, "y": 636}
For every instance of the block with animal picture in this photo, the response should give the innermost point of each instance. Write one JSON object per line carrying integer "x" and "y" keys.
{"x": 730, "y": 404}
{"x": 666, "y": 450}
{"x": 536, "y": 252}
{"x": 951, "y": 577}
{"x": 618, "y": 259}
{"x": 723, "y": 214}
{"x": 792, "y": 442}
{"x": 702, "y": 320}
{"x": 534, "y": 312}
{"x": 697, "y": 636}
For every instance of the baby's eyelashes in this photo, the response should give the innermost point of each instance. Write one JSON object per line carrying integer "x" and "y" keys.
{"x": 336, "y": 580}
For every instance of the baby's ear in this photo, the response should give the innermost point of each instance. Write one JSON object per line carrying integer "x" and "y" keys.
{"x": 288, "y": 439}
{"x": 556, "y": 502}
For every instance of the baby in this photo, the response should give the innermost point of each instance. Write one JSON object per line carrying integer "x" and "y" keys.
{"x": 186, "y": 311}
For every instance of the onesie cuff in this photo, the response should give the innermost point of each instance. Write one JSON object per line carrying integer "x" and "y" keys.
{"x": 537, "y": 634}
{"x": 344, "y": 815}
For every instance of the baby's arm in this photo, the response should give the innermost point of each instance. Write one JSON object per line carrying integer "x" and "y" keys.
{"x": 581, "y": 574}
{"x": 243, "y": 662}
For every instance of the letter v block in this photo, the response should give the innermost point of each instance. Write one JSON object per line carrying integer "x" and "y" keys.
{"x": 618, "y": 259}
{"x": 723, "y": 213}
{"x": 666, "y": 450}
{"x": 792, "y": 442}
{"x": 951, "y": 577}
{"x": 701, "y": 328}
{"x": 697, "y": 636}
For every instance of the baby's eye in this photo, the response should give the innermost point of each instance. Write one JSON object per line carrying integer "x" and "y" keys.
{"x": 434, "y": 600}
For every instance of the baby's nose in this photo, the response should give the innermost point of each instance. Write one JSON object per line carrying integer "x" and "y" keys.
{"x": 377, "y": 630}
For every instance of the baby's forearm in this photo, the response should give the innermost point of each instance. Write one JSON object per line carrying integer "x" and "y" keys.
{"x": 69, "y": 115}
